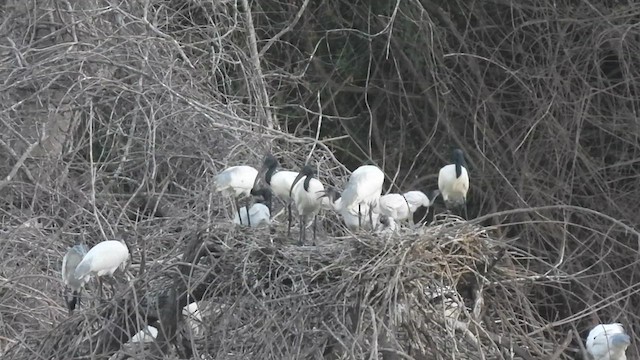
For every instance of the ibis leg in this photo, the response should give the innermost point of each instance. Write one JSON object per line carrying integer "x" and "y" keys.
{"x": 100, "y": 288}
{"x": 248, "y": 203}
{"x": 315, "y": 223}
{"x": 238, "y": 210}
{"x": 302, "y": 230}
{"x": 289, "y": 218}
{"x": 371, "y": 217}
{"x": 359, "y": 217}
{"x": 466, "y": 216}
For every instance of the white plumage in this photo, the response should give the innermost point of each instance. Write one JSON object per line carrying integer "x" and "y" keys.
{"x": 70, "y": 261}
{"x": 102, "y": 259}
{"x": 453, "y": 182}
{"x": 259, "y": 215}
{"x": 307, "y": 196}
{"x": 402, "y": 206}
{"x": 280, "y": 182}
{"x": 364, "y": 188}
{"x": 385, "y": 225}
{"x": 350, "y": 216}
{"x": 193, "y": 319}
{"x": 236, "y": 181}
{"x": 146, "y": 335}
{"x": 608, "y": 342}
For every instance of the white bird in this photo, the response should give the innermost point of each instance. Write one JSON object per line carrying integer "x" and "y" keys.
{"x": 333, "y": 201}
{"x": 386, "y": 224}
{"x": 193, "y": 317}
{"x": 70, "y": 261}
{"x": 307, "y": 196}
{"x": 364, "y": 188}
{"x": 103, "y": 259}
{"x": 453, "y": 182}
{"x": 236, "y": 181}
{"x": 193, "y": 320}
{"x": 280, "y": 182}
{"x": 259, "y": 213}
{"x": 146, "y": 335}
{"x": 608, "y": 342}
{"x": 402, "y": 206}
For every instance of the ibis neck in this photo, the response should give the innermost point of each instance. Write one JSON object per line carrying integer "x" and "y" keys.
{"x": 307, "y": 180}
{"x": 458, "y": 169}
{"x": 269, "y": 174}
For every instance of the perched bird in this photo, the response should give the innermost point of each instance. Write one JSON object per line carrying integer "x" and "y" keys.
{"x": 333, "y": 201}
{"x": 364, "y": 188}
{"x": 71, "y": 259}
{"x": 259, "y": 213}
{"x": 146, "y": 335}
{"x": 402, "y": 206}
{"x": 236, "y": 181}
{"x": 386, "y": 224}
{"x": 453, "y": 182}
{"x": 307, "y": 196}
{"x": 608, "y": 342}
{"x": 193, "y": 318}
{"x": 103, "y": 259}
{"x": 280, "y": 182}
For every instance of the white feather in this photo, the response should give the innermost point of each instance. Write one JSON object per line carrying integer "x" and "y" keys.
{"x": 193, "y": 318}
{"x": 148, "y": 334}
{"x": 236, "y": 180}
{"x": 308, "y": 202}
{"x": 364, "y": 188}
{"x": 102, "y": 259}
{"x": 258, "y": 214}
{"x": 608, "y": 342}
{"x": 453, "y": 189}
{"x": 281, "y": 182}
{"x": 350, "y": 216}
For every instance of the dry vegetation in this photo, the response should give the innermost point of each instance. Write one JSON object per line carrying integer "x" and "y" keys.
{"x": 115, "y": 117}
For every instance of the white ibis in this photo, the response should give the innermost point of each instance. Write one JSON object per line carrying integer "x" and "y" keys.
{"x": 453, "y": 182}
{"x": 146, "y": 335}
{"x": 364, "y": 188}
{"x": 402, "y": 206}
{"x": 333, "y": 201}
{"x": 103, "y": 259}
{"x": 608, "y": 342}
{"x": 236, "y": 181}
{"x": 192, "y": 316}
{"x": 307, "y": 196}
{"x": 386, "y": 224}
{"x": 70, "y": 261}
{"x": 280, "y": 182}
{"x": 259, "y": 213}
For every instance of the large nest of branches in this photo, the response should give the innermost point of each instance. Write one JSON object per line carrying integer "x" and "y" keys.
{"x": 440, "y": 291}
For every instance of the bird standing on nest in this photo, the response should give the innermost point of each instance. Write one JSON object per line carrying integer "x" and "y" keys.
{"x": 236, "y": 181}
{"x": 402, "y": 206}
{"x": 364, "y": 188}
{"x": 259, "y": 213}
{"x": 103, "y": 259}
{"x": 307, "y": 196}
{"x": 608, "y": 342}
{"x": 349, "y": 216}
{"x": 280, "y": 182}
{"x": 453, "y": 182}
{"x": 70, "y": 261}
